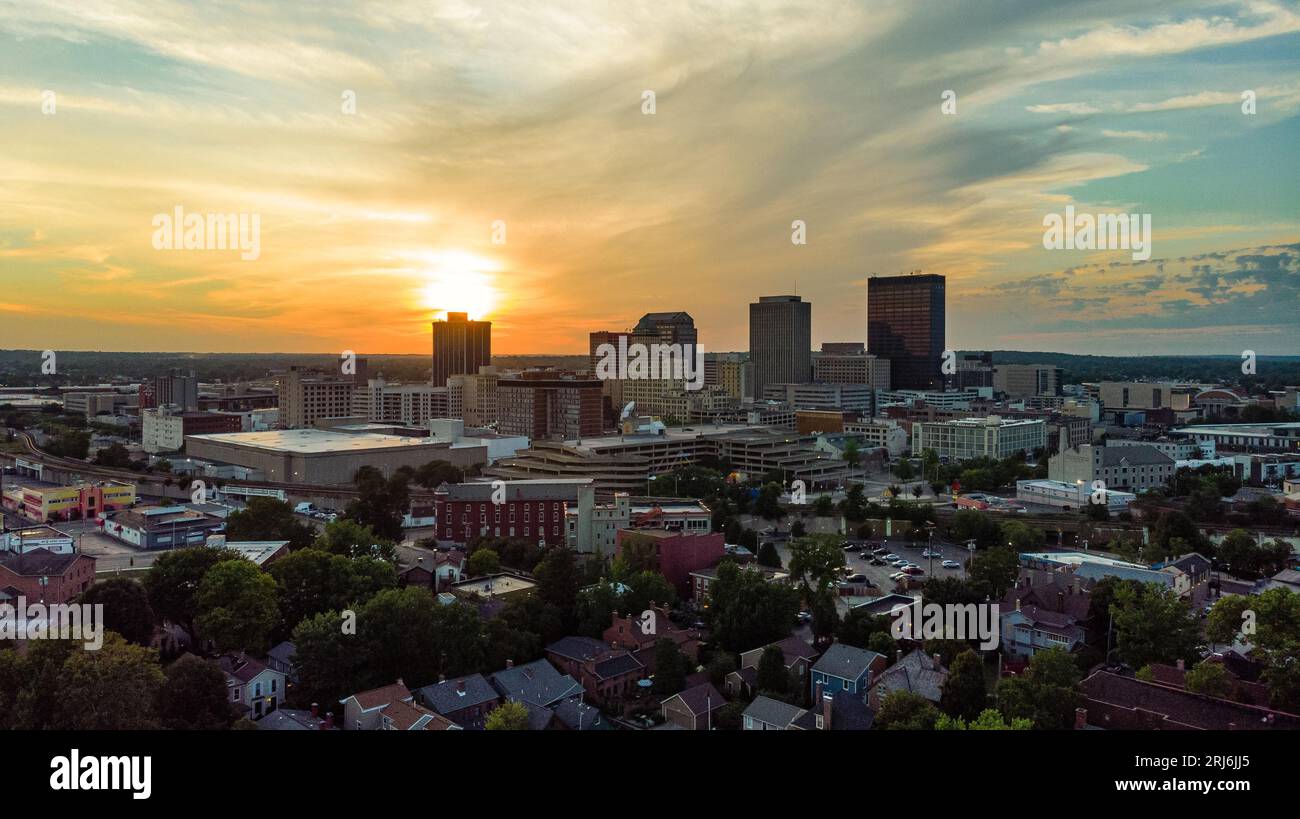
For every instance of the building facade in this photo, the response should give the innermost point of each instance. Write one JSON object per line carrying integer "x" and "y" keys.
{"x": 906, "y": 325}
{"x": 780, "y": 341}
{"x": 549, "y": 408}
{"x": 460, "y": 346}
{"x": 990, "y": 437}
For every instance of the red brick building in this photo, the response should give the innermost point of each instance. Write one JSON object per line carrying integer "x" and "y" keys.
{"x": 627, "y": 632}
{"x": 609, "y": 676}
{"x": 543, "y": 406}
{"x": 45, "y": 577}
{"x": 528, "y": 510}
{"x": 679, "y": 553}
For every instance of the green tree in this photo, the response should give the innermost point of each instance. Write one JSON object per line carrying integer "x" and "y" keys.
{"x": 173, "y": 582}
{"x": 994, "y": 570}
{"x": 903, "y": 470}
{"x": 1046, "y": 694}
{"x": 972, "y": 524}
{"x": 1153, "y": 625}
{"x": 121, "y": 680}
{"x": 1210, "y": 679}
{"x": 824, "y": 506}
{"x": 671, "y": 667}
{"x": 988, "y": 720}
{"x": 906, "y": 711}
{"x": 436, "y": 473}
{"x": 746, "y": 611}
{"x": 768, "y": 503}
{"x": 194, "y": 696}
{"x": 730, "y": 717}
{"x": 331, "y": 662}
{"x": 863, "y": 630}
{"x": 965, "y": 693}
{"x": 1270, "y": 621}
{"x": 382, "y": 502}
{"x": 268, "y": 519}
{"x": 508, "y": 716}
{"x": 719, "y": 667}
{"x": 557, "y": 579}
{"x": 236, "y": 607}
{"x": 484, "y": 561}
{"x": 353, "y": 539}
{"x": 310, "y": 581}
{"x": 768, "y": 556}
{"x": 114, "y": 455}
{"x": 126, "y": 608}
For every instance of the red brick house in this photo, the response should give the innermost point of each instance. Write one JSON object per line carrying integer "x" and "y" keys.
{"x": 45, "y": 577}
{"x": 609, "y": 676}
{"x": 627, "y": 632}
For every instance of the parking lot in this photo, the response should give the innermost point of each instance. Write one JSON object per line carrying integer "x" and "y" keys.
{"x": 879, "y": 576}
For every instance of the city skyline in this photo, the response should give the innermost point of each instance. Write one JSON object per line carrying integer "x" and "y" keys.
{"x": 484, "y": 175}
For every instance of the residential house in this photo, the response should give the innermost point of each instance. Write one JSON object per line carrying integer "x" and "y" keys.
{"x": 254, "y": 689}
{"x": 741, "y": 683}
{"x": 538, "y": 683}
{"x": 294, "y": 719}
{"x": 465, "y": 701}
{"x": 693, "y": 709}
{"x": 628, "y": 631}
{"x": 1027, "y": 630}
{"x": 917, "y": 672}
{"x": 608, "y": 675}
{"x": 403, "y": 715}
{"x": 283, "y": 658}
{"x": 364, "y": 711}
{"x": 839, "y": 711}
{"x": 846, "y": 667}
{"x": 576, "y": 715}
{"x": 799, "y": 657}
{"x": 767, "y": 714}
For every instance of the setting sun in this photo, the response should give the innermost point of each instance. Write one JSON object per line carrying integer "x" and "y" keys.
{"x": 460, "y": 282}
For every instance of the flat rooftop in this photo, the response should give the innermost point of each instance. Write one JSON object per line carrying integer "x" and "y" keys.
{"x": 1080, "y": 558}
{"x": 494, "y": 586}
{"x": 312, "y": 441}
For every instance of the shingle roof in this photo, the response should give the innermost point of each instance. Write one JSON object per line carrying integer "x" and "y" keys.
{"x": 583, "y": 649}
{"x": 379, "y": 697}
{"x": 38, "y": 562}
{"x": 537, "y": 682}
{"x": 1127, "y": 702}
{"x": 242, "y": 667}
{"x": 579, "y": 716}
{"x": 772, "y": 712}
{"x": 916, "y": 672}
{"x": 624, "y": 663}
{"x": 1133, "y": 455}
{"x": 453, "y": 695}
{"x": 848, "y": 713}
{"x": 284, "y": 652}
{"x": 845, "y": 661}
{"x": 700, "y": 698}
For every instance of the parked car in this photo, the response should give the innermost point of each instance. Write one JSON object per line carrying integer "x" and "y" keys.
{"x": 931, "y": 553}
{"x": 879, "y": 550}
{"x": 951, "y": 564}
{"x": 897, "y": 576}
{"x": 891, "y": 557}
{"x": 851, "y": 547}
{"x": 856, "y": 578}
{"x": 875, "y": 561}
{"x": 913, "y": 570}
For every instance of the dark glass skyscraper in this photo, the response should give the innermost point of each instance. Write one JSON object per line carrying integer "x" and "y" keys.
{"x": 460, "y": 347}
{"x": 905, "y": 324}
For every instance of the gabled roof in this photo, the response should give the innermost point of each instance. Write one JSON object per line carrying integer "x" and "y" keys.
{"x": 450, "y": 696}
{"x": 773, "y": 712}
{"x": 379, "y": 697}
{"x": 848, "y": 713}
{"x": 845, "y": 661}
{"x": 537, "y": 682}
{"x": 405, "y": 716}
{"x": 39, "y": 562}
{"x": 242, "y": 667}
{"x": 700, "y": 699}
{"x": 1136, "y": 455}
{"x": 284, "y": 652}
{"x": 625, "y": 663}
{"x": 1115, "y": 701}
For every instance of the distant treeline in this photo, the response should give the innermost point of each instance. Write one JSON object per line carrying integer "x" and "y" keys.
{"x": 23, "y": 367}
{"x": 1271, "y": 372}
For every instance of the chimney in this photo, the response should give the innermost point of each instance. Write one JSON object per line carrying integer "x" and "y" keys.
{"x": 328, "y": 723}
{"x": 938, "y": 662}
{"x": 1017, "y": 604}
{"x": 1080, "y": 718}
{"x": 828, "y": 701}
{"x": 460, "y": 687}
{"x": 399, "y": 682}
{"x": 510, "y": 663}
{"x": 898, "y": 655}
{"x": 1060, "y": 601}
{"x": 1182, "y": 665}
{"x": 315, "y": 710}
{"x": 442, "y": 678}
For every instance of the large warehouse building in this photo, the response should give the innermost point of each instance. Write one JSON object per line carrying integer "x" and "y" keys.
{"x": 317, "y": 456}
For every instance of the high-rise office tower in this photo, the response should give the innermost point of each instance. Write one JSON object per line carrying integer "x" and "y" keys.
{"x": 460, "y": 347}
{"x": 905, "y": 324}
{"x": 676, "y": 327}
{"x": 780, "y": 341}
{"x": 175, "y": 388}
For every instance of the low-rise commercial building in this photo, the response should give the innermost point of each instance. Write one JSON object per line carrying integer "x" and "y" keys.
{"x": 163, "y": 429}
{"x": 78, "y": 502}
{"x": 532, "y": 510}
{"x": 990, "y": 437}
{"x": 162, "y": 527}
{"x": 1071, "y": 495}
{"x": 1135, "y": 468}
{"x": 42, "y": 576}
{"x": 325, "y": 457}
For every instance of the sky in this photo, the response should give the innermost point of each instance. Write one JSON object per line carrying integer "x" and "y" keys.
{"x": 402, "y": 158}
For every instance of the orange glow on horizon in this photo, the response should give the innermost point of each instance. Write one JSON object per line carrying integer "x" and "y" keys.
{"x": 460, "y": 282}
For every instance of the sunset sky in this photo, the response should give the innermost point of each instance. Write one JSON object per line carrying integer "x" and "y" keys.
{"x": 531, "y": 114}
